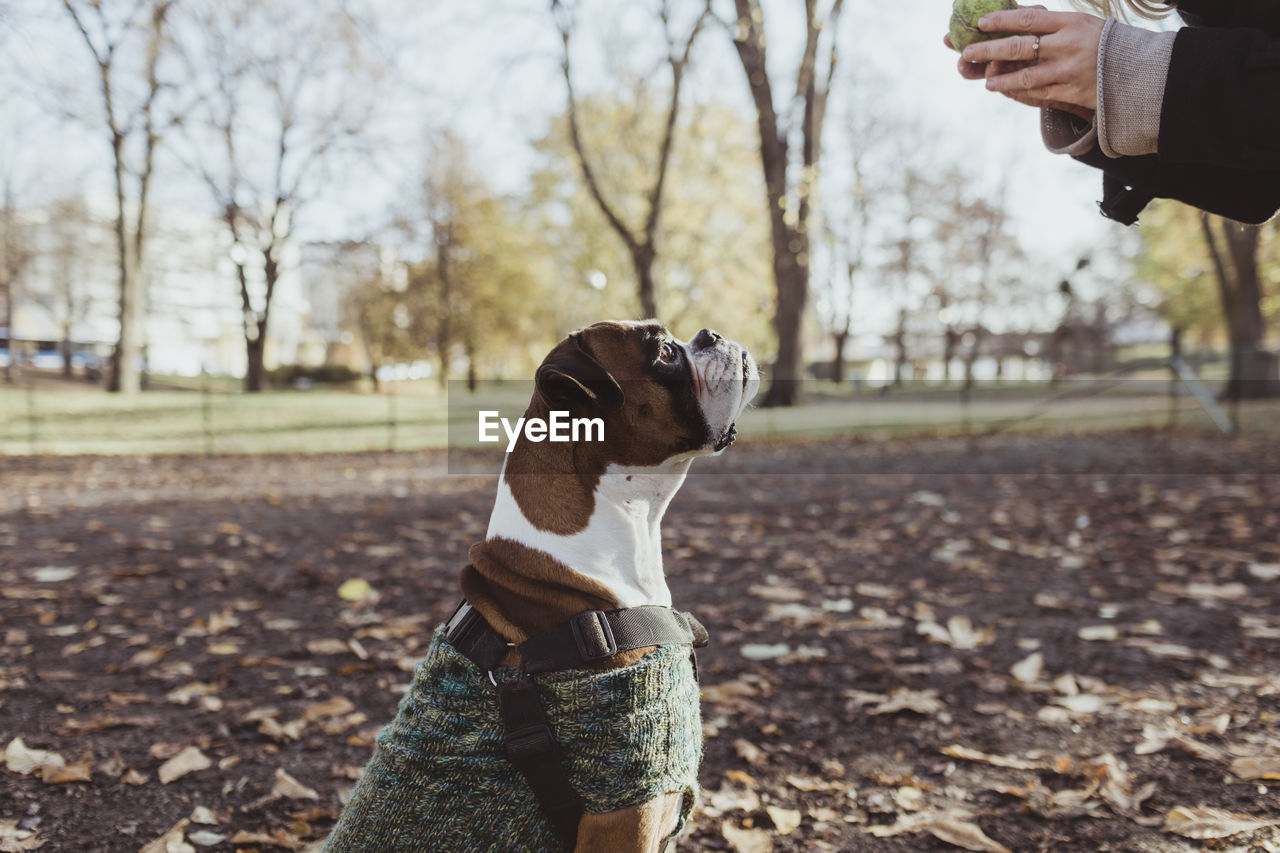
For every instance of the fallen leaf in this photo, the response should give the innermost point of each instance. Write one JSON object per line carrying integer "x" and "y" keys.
{"x": 733, "y": 692}
{"x": 764, "y": 651}
{"x": 1029, "y": 669}
{"x": 204, "y": 815}
{"x": 23, "y": 760}
{"x": 729, "y": 799}
{"x": 814, "y": 783}
{"x": 329, "y": 708}
{"x": 909, "y": 799}
{"x": 749, "y": 752}
{"x": 148, "y": 657}
{"x": 964, "y": 834}
{"x": 1258, "y": 767}
{"x": 172, "y": 841}
{"x": 959, "y": 633}
{"x": 924, "y": 702}
{"x": 1011, "y": 762}
{"x": 289, "y": 731}
{"x": 746, "y": 840}
{"x": 1158, "y": 738}
{"x": 786, "y": 821}
{"x": 1085, "y": 703}
{"x": 327, "y": 646}
{"x": 58, "y": 775}
{"x": 1115, "y": 786}
{"x": 290, "y": 788}
{"x": 355, "y": 589}
{"x": 187, "y": 761}
{"x": 777, "y": 592}
{"x": 1203, "y": 823}
{"x": 276, "y": 838}
{"x": 1265, "y": 571}
{"x": 54, "y": 574}
{"x": 15, "y": 840}
{"x": 206, "y": 838}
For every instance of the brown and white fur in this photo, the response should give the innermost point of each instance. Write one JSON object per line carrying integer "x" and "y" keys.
{"x": 576, "y": 526}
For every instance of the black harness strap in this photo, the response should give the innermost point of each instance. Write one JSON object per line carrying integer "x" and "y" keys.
{"x": 594, "y": 635}
{"x": 533, "y": 749}
{"x": 588, "y": 637}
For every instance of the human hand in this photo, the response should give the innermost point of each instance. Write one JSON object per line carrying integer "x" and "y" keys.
{"x": 1053, "y": 63}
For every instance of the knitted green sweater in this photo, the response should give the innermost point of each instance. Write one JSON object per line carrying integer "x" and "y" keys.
{"x": 439, "y": 780}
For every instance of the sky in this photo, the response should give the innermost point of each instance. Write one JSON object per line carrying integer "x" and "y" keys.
{"x": 487, "y": 70}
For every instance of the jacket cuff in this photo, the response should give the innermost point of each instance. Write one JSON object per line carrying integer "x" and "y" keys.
{"x": 1133, "y": 68}
{"x": 1066, "y": 133}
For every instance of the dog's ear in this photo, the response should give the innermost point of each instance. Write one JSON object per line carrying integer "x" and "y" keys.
{"x": 571, "y": 375}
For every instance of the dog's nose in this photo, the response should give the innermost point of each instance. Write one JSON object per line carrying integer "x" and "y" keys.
{"x": 706, "y": 339}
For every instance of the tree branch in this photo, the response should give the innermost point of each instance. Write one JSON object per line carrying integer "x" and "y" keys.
{"x": 575, "y": 136}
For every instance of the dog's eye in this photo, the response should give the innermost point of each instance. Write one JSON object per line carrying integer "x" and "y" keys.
{"x": 668, "y": 354}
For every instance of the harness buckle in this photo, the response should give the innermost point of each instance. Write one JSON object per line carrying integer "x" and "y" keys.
{"x": 460, "y": 624}
{"x": 593, "y": 636}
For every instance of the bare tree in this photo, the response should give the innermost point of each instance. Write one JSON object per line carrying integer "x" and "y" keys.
{"x": 290, "y": 88}
{"x": 873, "y": 145}
{"x": 68, "y": 253}
{"x": 16, "y": 254}
{"x": 476, "y": 275}
{"x": 134, "y": 126}
{"x": 1233, "y": 249}
{"x": 640, "y": 242}
{"x": 791, "y": 181}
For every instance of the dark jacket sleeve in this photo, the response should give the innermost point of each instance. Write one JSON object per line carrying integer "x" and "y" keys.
{"x": 1258, "y": 14}
{"x": 1244, "y": 195}
{"x": 1222, "y": 99}
{"x": 1219, "y": 146}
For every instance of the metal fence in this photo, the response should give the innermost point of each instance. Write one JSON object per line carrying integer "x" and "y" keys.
{"x": 42, "y": 417}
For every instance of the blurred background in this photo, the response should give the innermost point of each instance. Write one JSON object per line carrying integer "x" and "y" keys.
{"x": 294, "y": 224}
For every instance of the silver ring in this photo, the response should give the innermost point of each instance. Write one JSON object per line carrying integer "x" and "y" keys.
{"x": 1035, "y": 50}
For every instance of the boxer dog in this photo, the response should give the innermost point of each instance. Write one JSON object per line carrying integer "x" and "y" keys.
{"x": 575, "y": 531}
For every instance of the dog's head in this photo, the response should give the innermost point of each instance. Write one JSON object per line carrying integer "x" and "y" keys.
{"x": 658, "y": 397}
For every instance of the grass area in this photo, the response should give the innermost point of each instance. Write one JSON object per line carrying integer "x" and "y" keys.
{"x": 75, "y": 419}
{"x": 91, "y": 421}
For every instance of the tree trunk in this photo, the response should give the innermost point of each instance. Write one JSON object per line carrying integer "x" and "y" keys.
{"x": 900, "y": 349}
{"x": 66, "y": 353}
{"x": 126, "y": 376}
{"x": 647, "y": 289}
{"x": 472, "y": 379}
{"x": 788, "y": 321}
{"x": 9, "y": 373}
{"x": 950, "y": 340}
{"x": 840, "y": 339}
{"x": 1254, "y": 371}
{"x": 255, "y": 370}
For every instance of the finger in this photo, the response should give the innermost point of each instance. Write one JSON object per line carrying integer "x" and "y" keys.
{"x": 995, "y": 69}
{"x": 1025, "y": 20}
{"x": 973, "y": 70}
{"x": 1011, "y": 49}
{"x": 1027, "y": 78}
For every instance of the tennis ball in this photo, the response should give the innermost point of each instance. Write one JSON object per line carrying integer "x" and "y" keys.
{"x": 965, "y": 15}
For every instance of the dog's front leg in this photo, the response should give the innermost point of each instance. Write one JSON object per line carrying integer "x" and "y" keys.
{"x": 645, "y": 828}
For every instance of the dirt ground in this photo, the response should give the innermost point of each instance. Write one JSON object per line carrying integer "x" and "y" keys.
{"x": 1014, "y": 643}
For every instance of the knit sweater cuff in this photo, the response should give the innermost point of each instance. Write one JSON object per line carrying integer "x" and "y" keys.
{"x": 1133, "y": 67}
{"x": 1066, "y": 133}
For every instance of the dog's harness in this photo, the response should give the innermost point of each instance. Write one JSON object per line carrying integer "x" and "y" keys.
{"x": 589, "y": 637}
